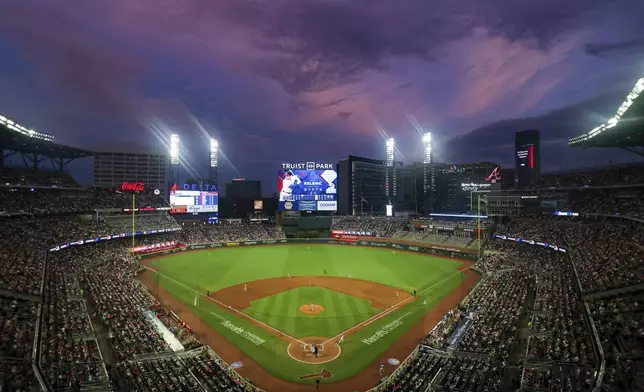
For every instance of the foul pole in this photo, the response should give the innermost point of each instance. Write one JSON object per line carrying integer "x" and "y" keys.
{"x": 133, "y": 206}
{"x": 478, "y": 231}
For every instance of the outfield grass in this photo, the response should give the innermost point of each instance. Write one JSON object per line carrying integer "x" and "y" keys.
{"x": 217, "y": 269}
{"x": 341, "y": 312}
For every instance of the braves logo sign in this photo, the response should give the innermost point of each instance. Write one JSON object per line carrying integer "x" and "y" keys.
{"x": 133, "y": 186}
{"x": 494, "y": 176}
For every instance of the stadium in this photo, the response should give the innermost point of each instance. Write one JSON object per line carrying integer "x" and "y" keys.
{"x": 137, "y": 285}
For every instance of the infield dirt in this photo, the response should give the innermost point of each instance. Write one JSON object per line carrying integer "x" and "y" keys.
{"x": 382, "y": 297}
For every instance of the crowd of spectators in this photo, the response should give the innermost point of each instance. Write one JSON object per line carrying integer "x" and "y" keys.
{"x": 378, "y": 227}
{"x": 97, "y": 283}
{"x": 25, "y": 177}
{"x": 619, "y": 175}
{"x": 142, "y": 221}
{"x": 610, "y": 201}
{"x": 528, "y": 308}
{"x": 607, "y": 254}
{"x": 39, "y": 201}
{"x": 461, "y": 239}
{"x": 526, "y": 312}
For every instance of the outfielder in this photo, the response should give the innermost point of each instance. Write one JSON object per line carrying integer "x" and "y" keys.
{"x": 289, "y": 182}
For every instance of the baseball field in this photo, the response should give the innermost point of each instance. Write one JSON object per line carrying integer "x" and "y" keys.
{"x": 264, "y": 308}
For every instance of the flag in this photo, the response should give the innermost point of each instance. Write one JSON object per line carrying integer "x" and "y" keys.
{"x": 363, "y": 200}
{"x": 195, "y": 301}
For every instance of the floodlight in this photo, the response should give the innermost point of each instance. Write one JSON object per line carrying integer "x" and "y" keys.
{"x": 214, "y": 152}
{"x": 174, "y": 149}
{"x": 390, "y": 151}
{"x": 427, "y": 148}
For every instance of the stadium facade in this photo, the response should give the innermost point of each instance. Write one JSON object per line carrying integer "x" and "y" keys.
{"x": 112, "y": 169}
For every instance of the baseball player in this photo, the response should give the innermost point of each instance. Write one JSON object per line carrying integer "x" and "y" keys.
{"x": 289, "y": 182}
{"x": 349, "y": 275}
{"x": 312, "y": 308}
{"x": 289, "y": 275}
{"x": 382, "y": 368}
{"x": 245, "y": 287}
{"x": 315, "y": 350}
{"x": 341, "y": 339}
{"x": 397, "y": 295}
{"x": 424, "y": 302}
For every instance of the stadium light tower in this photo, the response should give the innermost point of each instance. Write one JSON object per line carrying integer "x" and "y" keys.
{"x": 390, "y": 172}
{"x": 428, "y": 172}
{"x": 174, "y": 159}
{"x": 213, "y": 176}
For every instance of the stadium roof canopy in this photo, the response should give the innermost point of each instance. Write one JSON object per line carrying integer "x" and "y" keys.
{"x": 35, "y": 147}
{"x": 624, "y": 130}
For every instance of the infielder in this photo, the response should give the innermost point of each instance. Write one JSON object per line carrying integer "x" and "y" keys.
{"x": 289, "y": 275}
{"x": 382, "y": 368}
{"x": 397, "y": 294}
{"x": 349, "y": 275}
{"x": 289, "y": 182}
{"x": 245, "y": 287}
{"x": 341, "y": 339}
{"x": 312, "y": 308}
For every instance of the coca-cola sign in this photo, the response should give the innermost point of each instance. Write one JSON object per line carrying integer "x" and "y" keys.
{"x": 133, "y": 186}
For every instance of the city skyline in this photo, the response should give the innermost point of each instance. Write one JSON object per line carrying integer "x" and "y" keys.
{"x": 319, "y": 81}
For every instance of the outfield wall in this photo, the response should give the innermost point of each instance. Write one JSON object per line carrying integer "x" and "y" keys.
{"x": 441, "y": 251}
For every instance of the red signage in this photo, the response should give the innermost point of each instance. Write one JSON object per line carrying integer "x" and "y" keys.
{"x": 132, "y": 186}
{"x": 494, "y": 176}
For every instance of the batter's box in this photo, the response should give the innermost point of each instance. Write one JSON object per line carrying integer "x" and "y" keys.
{"x": 308, "y": 349}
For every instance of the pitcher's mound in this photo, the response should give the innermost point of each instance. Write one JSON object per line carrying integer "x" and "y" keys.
{"x": 311, "y": 309}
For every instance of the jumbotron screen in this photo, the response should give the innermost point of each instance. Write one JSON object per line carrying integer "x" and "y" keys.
{"x": 183, "y": 201}
{"x": 308, "y": 190}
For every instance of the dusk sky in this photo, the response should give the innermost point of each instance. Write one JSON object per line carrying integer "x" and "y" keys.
{"x": 298, "y": 80}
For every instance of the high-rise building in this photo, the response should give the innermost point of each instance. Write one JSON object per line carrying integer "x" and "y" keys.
{"x": 363, "y": 190}
{"x": 527, "y": 154}
{"x": 112, "y": 169}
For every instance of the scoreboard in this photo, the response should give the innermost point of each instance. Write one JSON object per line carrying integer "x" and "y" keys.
{"x": 182, "y": 201}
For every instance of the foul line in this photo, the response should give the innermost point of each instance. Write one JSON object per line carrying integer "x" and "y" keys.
{"x": 244, "y": 315}
{"x": 392, "y": 308}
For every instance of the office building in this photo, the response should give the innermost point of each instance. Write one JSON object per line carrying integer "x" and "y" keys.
{"x": 112, "y": 169}
{"x": 527, "y": 154}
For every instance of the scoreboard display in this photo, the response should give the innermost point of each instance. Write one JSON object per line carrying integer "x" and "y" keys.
{"x": 308, "y": 190}
{"x": 189, "y": 201}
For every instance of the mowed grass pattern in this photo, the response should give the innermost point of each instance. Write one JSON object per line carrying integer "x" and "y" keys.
{"x": 216, "y": 269}
{"x": 341, "y": 312}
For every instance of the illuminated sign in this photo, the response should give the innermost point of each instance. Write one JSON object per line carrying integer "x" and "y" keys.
{"x": 474, "y": 187}
{"x": 133, "y": 186}
{"x": 453, "y": 169}
{"x": 494, "y": 176}
{"x": 308, "y": 166}
{"x": 200, "y": 187}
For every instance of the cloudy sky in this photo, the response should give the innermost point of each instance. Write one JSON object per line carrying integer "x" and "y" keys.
{"x": 317, "y": 80}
